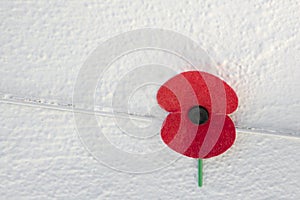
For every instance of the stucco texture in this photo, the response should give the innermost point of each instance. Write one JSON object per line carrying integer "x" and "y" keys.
{"x": 43, "y": 46}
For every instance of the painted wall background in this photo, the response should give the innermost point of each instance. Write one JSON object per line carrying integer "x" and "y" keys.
{"x": 43, "y": 46}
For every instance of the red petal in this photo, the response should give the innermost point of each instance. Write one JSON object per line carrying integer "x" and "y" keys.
{"x": 192, "y": 140}
{"x": 197, "y": 88}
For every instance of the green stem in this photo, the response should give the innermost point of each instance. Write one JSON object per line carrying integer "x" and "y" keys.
{"x": 200, "y": 173}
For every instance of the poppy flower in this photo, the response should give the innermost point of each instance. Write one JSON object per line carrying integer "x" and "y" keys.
{"x": 197, "y": 125}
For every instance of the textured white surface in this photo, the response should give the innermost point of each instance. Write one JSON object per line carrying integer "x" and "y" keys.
{"x": 43, "y": 45}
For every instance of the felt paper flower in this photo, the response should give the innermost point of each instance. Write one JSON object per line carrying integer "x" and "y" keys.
{"x": 198, "y": 103}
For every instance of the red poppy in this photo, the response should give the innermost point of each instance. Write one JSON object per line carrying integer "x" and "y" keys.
{"x": 198, "y": 103}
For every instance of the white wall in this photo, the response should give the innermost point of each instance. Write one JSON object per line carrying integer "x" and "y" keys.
{"x": 43, "y": 46}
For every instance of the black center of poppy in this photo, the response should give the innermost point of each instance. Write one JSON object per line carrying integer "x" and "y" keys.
{"x": 198, "y": 115}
